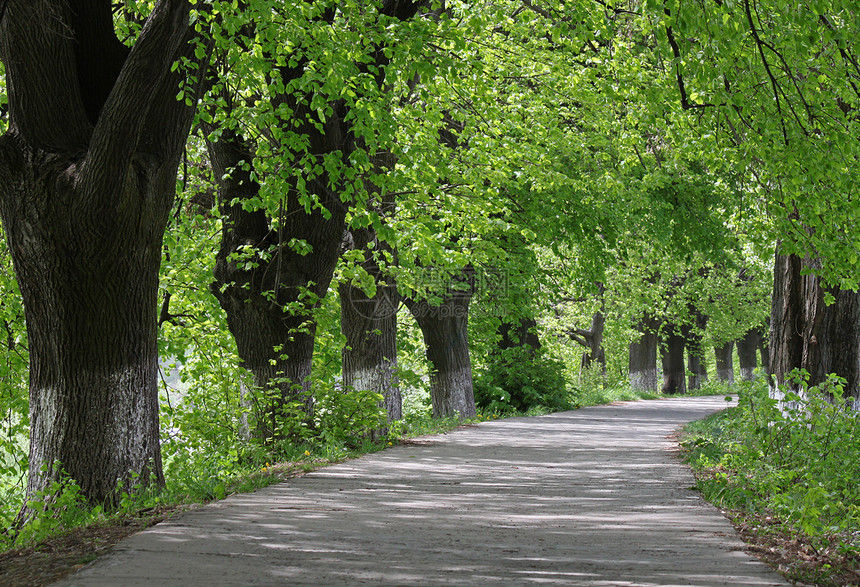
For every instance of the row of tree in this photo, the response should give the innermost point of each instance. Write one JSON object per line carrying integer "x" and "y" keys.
{"x": 408, "y": 151}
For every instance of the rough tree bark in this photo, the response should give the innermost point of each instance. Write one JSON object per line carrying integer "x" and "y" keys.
{"x": 87, "y": 177}
{"x": 725, "y": 362}
{"x": 807, "y": 334}
{"x": 674, "y": 373}
{"x": 747, "y": 358}
{"x": 838, "y": 348}
{"x": 643, "y": 358}
{"x": 369, "y": 325}
{"x": 445, "y": 330}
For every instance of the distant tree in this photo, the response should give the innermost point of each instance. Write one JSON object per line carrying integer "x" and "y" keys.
{"x": 642, "y": 364}
{"x": 592, "y": 337}
{"x": 697, "y": 372}
{"x": 725, "y": 362}
{"x": 672, "y": 346}
{"x": 748, "y": 348}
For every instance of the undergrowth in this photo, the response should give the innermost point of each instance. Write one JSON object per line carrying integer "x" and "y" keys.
{"x": 790, "y": 471}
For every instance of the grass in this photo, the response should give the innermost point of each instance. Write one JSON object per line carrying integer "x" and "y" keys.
{"x": 596, "y": 396}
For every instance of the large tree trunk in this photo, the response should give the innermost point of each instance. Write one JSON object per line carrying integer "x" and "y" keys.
{"x": 838, "y": 348}
{"x": 87, "y": 180}
{"x": 747, "y": 358}
{"x": 445, "y": 330}
{"x": 725, "y": 362}
{"x": 643, "y": 360}
{"x": 369, "y": 325}
{"x": 674, "y": 373}
{"x": 277, "y": 348}
{"x": 807, "y": 334}
{"x": 267, "y": 289}
{"x": 370, "y": 355}
{"x": 265, "y": 296}
{"x": 91, "y": 324}
{"x": 787, "y": 318}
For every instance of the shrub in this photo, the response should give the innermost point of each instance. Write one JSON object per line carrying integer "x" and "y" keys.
{"x": 797, "y": 460}
{"x": 518, "y": 379}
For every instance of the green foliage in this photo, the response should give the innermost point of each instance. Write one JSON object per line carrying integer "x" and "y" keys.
{"x": 717, "y": 387}
{"x": 774, "y": 87}
{"x": 342, "y": 420}
{"x": 421, "y": 423}
{"x": 348, "y": 416}
{"x": 61, "y": 507}
{"x": 198, "y": 477}
{"x": 58, "y": 508}
{"x": 797, "y": 460}
{"x": 518, "y": 379}
{"x": 14, "y": 363}
{"x": 14, "y": 400}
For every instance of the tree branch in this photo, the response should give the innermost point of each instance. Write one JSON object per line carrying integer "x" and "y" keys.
{"x": 676, "y": 52}
{"x": 797, "y": 88}
{"x": 579, "y": 336}
{"x": 38, "y": 51}
{"x": 118, "y": 132}
{"x": 169, "y": 119}
{"x": 846, "y": 55}
{"x": 774, "y": 84}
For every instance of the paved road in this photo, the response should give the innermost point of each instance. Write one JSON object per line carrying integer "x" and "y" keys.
{"x": 590, "y": 497}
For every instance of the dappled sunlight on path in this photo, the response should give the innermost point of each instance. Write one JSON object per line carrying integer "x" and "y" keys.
{"x": 591, "y": 497}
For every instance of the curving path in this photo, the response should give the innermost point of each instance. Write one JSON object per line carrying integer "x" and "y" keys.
{"x": 590, "y": 497}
